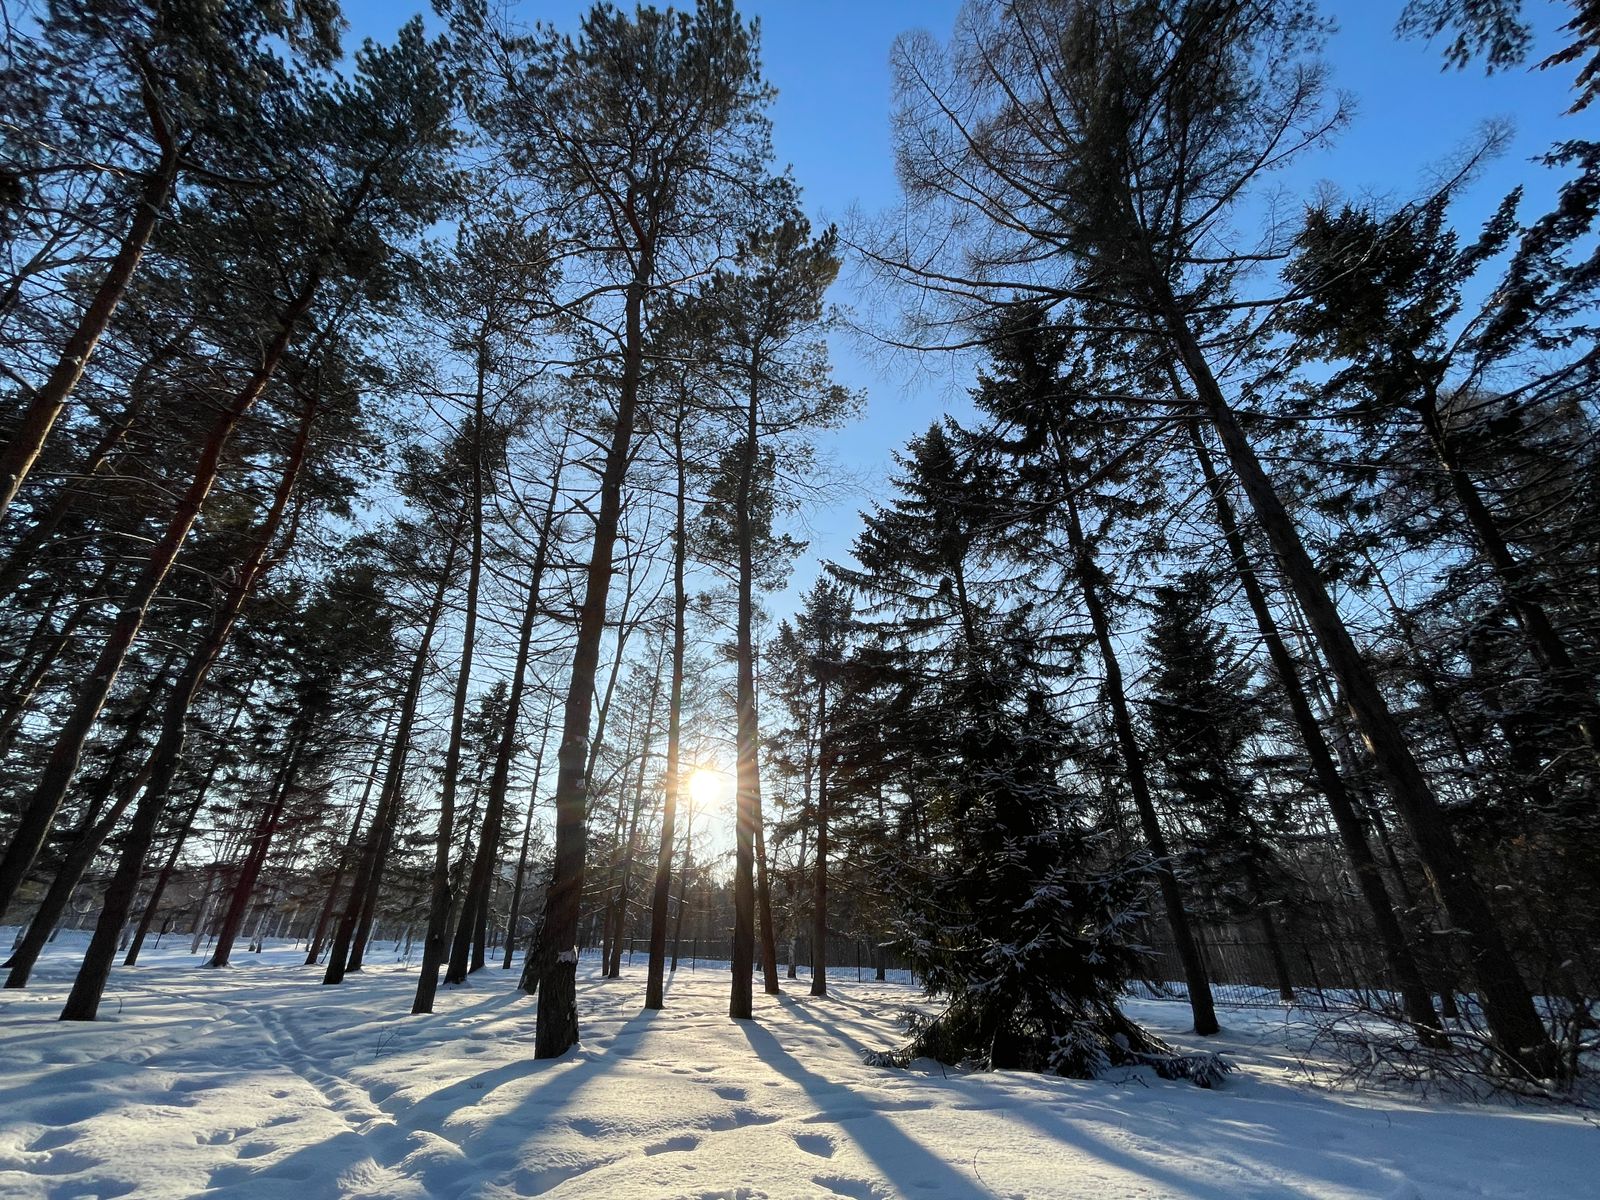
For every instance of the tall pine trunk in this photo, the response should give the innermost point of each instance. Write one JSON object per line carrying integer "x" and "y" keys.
{"x": 614, "y": 966}
{"x": 1414, "y": 994}
{"x": 1517, "y": 581}
{"x": 1507, "y": 1004}
{"x": 260, "y": 846}
{"x": 557, "y": 1022}
{"x": 45, "y": 405}
{"x": 747, "y": 768}
{"x": 84, "y": 1000}
{"x": 433, "y": 948}
{"x": 1087, "y": 571}
{"x": 819, "y": 869}
{"x": 40, "y": 808}
{"x": 181, "y": 836}
{"x": 347, "y": 850}
{"x": 655, "y": 980}
{"x": 469, "y": 938}
{"x": 350, "y": 935}
{"x": 514, "y": 911}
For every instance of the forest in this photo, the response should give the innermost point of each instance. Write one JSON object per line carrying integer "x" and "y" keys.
{"x": 411, "y": 457}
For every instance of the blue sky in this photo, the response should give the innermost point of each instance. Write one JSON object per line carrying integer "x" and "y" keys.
{"x": 829, "y": 62}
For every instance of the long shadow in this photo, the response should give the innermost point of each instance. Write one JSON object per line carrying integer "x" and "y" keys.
{"x": 314, "y": 1169}
{"x": 1063, "y": 1132}
{"x": 898, "y": 1155}
{"x": 835, "y": 1027}
{"x": 1071, "y": 1134}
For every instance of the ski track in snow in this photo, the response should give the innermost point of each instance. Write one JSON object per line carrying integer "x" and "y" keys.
{"x": 256, "y": 1082}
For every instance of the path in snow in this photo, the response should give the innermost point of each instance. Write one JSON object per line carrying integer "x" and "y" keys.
{"x": 255, "y": 1081}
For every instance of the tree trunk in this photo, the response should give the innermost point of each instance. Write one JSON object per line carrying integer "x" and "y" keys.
{"x": 20, "y": 694}
{"x": 1088, "y": 574}
{"x": 747, "y": 763}
{"x": 614, "y": 967}
{"x": 819, "y": 870}
{"x": 89, "y": 837}
{"x": 683, "y": 888}
{"x": 260, "y": 846}
{"x": 42, "y": 804}
{"x": 1508, "y": 1006}
{"x": 351, "y": 933}
{"x": 347, "y": 851}
{"x": 84, "y": 1000}
{"x": 1518, "y": 583}
{"x": 45, "y": 405}
{"x": 655, "y": 980}
{"x": 1416, "y": 997}
{"x": 522, "y": 857}
{"x": 769, "y": 937}
{"x": 433, "y": 948}
{"x": 28, "y": 546}
{"x": 489, "y": 846}
{"x": 557, "y": 1027}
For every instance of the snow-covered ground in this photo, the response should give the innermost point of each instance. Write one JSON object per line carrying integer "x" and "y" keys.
{"x": 257, "y": 1082}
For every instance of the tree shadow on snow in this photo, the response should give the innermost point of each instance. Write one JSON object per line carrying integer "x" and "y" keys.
{"x": 895, "y": 1153}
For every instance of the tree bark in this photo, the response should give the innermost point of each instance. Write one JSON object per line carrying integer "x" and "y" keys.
{"x": 769, "y": 935}
{"x": 489, "y": 846}
{"x": 515, "y": 911}
{"x": 819, "y": 870}
{"x": 19, "y": 694}
{"x": 614, "y": 967}
{"x": 350, "y": 935}
{"x": 1088, "y": 574}
{"x": 348, "y": 849}
{"x": 1516, "y": 581}
{"x": 86, "y": 844}
{"x": 260, "y": 846}
{"x": 747, "y": 767}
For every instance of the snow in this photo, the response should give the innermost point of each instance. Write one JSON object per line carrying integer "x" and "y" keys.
{"x": 255, "y": 1081}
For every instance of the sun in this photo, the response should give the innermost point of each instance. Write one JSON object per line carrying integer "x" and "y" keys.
{"x": 709, "y": 788}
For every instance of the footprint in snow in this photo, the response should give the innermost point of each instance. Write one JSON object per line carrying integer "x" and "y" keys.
{"x": 729, "y": 1092}
{"x": 815, "y": 1143}
{"x": 674, "y": 1145}
{"x": 52, "y": 1139}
